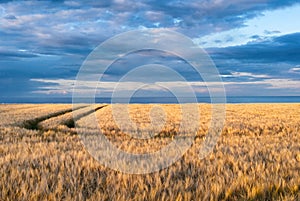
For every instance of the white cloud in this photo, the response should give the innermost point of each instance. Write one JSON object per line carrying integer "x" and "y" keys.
{"x": 87, "y": 87}
{"x": 295, "y": 70}
{"x": 246, "y": 74}
{"x": 283, "y": 84}
{"x": 2, "y": 11}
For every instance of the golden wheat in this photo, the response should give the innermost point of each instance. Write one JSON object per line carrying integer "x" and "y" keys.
{"x": 257, "y": 157}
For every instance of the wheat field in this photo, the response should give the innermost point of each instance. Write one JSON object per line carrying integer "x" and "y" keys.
{"x": 257, "y": 156}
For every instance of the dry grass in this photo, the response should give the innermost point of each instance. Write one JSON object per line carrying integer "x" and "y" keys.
{"x": 256, "y": 158}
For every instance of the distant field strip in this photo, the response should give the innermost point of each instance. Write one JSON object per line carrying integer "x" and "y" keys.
{"x": 8, "y": 107}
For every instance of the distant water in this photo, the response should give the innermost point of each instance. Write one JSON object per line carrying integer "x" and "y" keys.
{"x": 230, "y": 99}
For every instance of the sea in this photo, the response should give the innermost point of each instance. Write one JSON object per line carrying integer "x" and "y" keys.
{"x": 148, "y": 100}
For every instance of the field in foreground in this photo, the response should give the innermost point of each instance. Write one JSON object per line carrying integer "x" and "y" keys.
{"x": 257, "y": 157}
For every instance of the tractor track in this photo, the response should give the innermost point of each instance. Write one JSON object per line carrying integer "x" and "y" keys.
{"x": 33, "y": 124}
{"x": 71, "y": 122}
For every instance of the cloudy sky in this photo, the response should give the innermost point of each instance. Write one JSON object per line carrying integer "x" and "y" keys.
{"x": 255, "y": 45}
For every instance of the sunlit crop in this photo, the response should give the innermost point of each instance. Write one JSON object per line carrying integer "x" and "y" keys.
{"x": 257, "y": 157}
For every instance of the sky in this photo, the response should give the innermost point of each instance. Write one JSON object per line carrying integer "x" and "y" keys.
{"x": 255, "y": 45}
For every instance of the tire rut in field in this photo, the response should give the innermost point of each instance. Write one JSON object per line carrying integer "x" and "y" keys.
{"x": 71, "y": 123}
{"x": 33, "y": 124}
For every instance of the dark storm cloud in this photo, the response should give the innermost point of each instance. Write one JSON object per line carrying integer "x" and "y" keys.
{"x": 50, "y": 39}
{"x": 145, "y": 57}
{"x": 284, "y": 48}
{"x": 76, "y": 27}
{"x": 87, "y": 23}
{"x": 223, "y": 13}
{"x": 15, "y": 54}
